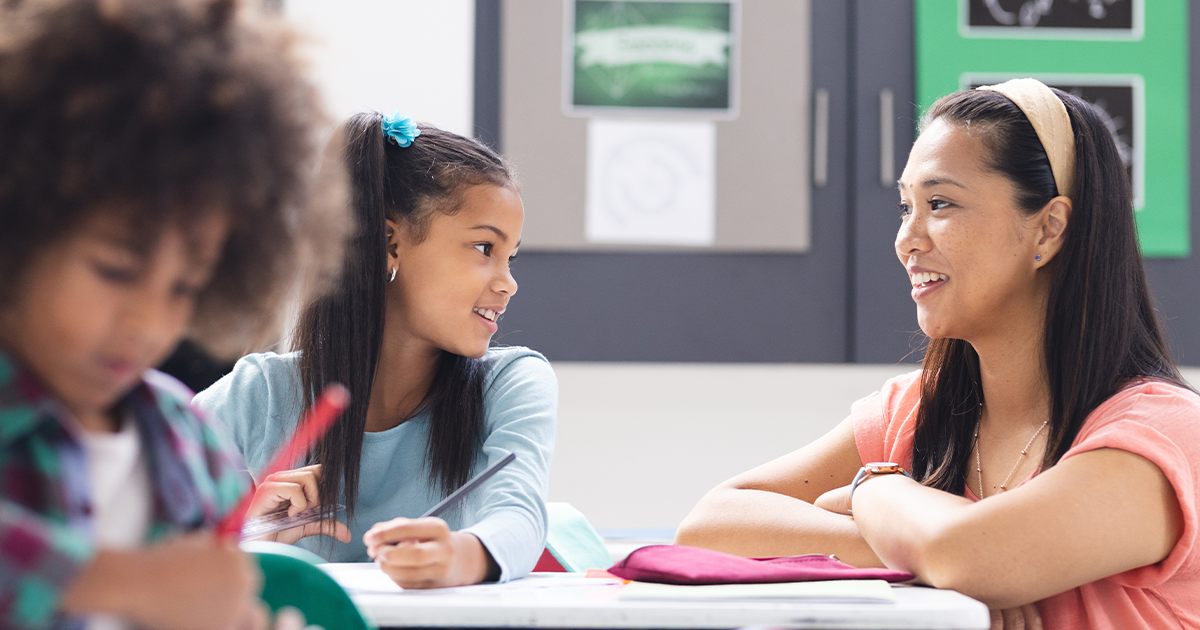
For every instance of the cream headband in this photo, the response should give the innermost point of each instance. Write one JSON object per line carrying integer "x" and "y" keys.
{"x": 1049, "y": 118}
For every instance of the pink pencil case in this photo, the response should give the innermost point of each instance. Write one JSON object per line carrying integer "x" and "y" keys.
{"x": 680, "y": 564}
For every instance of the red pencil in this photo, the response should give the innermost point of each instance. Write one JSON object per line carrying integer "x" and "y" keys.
{"x": 329, "y": 406}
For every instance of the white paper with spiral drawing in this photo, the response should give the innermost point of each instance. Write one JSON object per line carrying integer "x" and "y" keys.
{"x": 651, "y": 183}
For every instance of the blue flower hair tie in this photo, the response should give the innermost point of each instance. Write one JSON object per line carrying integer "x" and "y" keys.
{"x": 400, "y": 129}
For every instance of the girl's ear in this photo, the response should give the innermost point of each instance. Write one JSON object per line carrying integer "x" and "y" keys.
{"x": 392, "y": 232}
{"x": 1055, "y": 217}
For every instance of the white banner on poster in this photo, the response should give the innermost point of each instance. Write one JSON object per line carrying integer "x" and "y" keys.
{"x": 651, "y": 183}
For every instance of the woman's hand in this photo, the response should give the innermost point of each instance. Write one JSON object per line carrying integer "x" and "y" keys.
{"x": 424, "y": 553}
{"x": 1024, "y": 618}
{"x": 193, "y": 582}
{"x": 836, "y": 500}
{"x": 295, "y": 491}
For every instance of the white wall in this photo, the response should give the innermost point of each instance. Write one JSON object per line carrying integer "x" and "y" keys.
{"x": 639, "y": 444}
{"x": 415, "y": 55}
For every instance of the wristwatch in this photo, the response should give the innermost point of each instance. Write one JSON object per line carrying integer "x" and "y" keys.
{"x": 873, "y": 468}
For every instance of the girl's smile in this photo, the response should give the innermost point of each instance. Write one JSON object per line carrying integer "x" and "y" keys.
{"x": 490, "y": 316}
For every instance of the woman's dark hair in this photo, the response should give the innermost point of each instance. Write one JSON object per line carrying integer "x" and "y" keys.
{"x": 1101, "y": 330}
{"x": 160, "y": 112}
{"x": 339, "y": 335}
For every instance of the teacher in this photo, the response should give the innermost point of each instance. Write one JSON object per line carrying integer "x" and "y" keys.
{"x": 1053, "y": 447}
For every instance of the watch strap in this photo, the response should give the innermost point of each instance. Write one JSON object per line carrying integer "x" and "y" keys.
{"x": 873, "y": 468}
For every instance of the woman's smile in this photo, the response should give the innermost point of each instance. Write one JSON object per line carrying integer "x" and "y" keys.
{"x": 925, "y": 282}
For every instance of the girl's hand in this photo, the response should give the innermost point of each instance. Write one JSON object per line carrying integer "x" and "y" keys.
{"x": 836, "y": 500}
{"x": 193, "y": 582}
{"x": 1024, "y": 618}
{"x": 295, "y": 491}
{"x": 424, "y": 553}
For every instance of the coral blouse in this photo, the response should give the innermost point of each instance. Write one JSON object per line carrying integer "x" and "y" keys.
{"x": 1155, "y": 420}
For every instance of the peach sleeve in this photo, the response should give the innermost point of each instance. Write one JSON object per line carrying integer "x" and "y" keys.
{"x": 883, "y": 421}
{"x": 1141, "y": 432}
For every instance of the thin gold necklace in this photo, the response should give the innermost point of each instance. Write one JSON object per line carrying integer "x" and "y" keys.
{"x": 979, "y": 464}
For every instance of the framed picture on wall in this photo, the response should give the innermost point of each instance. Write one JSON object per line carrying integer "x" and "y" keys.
{"x": 1119, "y": 101}
{"x": 672, "y": 58}
{"x": 1128, "y": 58}
{"x": 1046, "y": 19}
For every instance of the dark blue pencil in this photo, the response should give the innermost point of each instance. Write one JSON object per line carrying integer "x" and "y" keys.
{"x": 461, "y": 493}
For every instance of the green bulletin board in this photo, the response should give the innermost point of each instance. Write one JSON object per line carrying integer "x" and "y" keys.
{"x": 1130, "y": 62}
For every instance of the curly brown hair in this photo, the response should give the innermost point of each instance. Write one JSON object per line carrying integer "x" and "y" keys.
{"x": 166, "y": 110}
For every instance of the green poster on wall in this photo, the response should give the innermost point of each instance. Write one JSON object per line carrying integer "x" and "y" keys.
{"x": 1128, "y": 58}
{"x": 651, "y": 56}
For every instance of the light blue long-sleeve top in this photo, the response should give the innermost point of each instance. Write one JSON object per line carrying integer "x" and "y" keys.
{"x": 260, "y": 403}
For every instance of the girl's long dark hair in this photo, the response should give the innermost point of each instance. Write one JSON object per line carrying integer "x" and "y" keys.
{"x": 339, "y": 335}
{"x": 1101, "y": 330}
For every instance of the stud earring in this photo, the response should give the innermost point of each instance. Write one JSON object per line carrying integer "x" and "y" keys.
{"x": 1037, "y": 258}
{"x": 392, "y": 278}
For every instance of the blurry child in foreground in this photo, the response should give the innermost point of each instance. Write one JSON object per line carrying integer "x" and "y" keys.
{"x": 155, "y": 167}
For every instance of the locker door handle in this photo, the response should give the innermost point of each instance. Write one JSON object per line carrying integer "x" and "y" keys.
{"x": 821, "y": 138}
{"x": 887, "y": 139}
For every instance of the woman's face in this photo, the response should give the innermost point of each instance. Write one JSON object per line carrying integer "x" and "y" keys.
{"x": 451, "y": 287}
{"x": 93, "y": 311}
{"x": 968, "y": 249}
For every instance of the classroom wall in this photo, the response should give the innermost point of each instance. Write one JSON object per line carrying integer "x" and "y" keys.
{"x": 847, "y": 300}
{"x": 414, "y": 55}
{"x": 640, "y": 443}
{"x": 693, "y": 306}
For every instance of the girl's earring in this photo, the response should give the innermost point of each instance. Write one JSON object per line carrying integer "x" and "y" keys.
{"x": 1037, "y": 258}
{"x": 392, "y": 278}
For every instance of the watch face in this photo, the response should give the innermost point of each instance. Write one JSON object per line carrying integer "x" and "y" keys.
{"x": 884, "y": 468}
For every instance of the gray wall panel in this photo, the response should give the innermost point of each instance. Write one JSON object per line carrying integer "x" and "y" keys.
{"x": 674, "y": 307}
{"x": 762, "y": 166}
{"x": 701, "y": 307}
{"x": 885, "y": 318}
{"x": 487, "y": 71}
{"x": 846, "y": 300}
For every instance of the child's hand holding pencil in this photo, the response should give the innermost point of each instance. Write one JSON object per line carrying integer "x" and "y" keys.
{"x": 281, "y": 485}
{"x": 424, "y": 553}
{"x": 293, "y": 492}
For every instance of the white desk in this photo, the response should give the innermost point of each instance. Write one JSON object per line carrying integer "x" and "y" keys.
{"x": 556, "y": 600}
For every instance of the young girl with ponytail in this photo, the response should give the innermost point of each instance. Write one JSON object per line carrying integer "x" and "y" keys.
{"x": 1051, "y": 442}
{"x": 408, "y": 331}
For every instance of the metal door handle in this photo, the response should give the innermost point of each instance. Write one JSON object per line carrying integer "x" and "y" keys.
{"x": 821, "y": 138}
{"x": 887, "y": 139}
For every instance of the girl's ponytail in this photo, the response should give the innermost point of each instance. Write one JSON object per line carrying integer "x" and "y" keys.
{"x": 339, "y": 335}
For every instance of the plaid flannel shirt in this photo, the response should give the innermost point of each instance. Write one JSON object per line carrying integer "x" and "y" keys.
{"x": 196, "y": 475}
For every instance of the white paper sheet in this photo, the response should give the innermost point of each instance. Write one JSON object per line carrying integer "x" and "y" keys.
{"x": 363, "y": 578}
{"x": 651, "y": 183}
